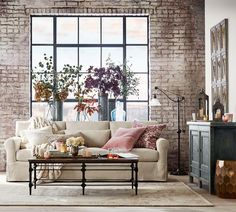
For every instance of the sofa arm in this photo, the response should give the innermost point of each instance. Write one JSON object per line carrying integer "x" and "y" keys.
{"x": 12, "y": 145}
{"x": 162, "y": 148}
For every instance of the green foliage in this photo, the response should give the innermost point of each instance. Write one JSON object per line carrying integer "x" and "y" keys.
{"x": 58, "y": 85}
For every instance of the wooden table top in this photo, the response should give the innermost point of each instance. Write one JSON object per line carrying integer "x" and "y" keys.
{"x": 80, "y": 159}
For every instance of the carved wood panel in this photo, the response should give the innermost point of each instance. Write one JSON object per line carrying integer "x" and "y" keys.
{"x": 219, "y": 63}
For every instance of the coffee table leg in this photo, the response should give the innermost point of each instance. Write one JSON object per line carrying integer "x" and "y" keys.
{"x": 35, "y": 177}
{"x": 132, "y": 175}
{"x": 83, "y": 177}
{"x": 30, "y": 178}
{"x": 136, "y": 178}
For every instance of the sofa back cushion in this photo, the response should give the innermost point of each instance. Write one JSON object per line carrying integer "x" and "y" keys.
{"x": 61, "y": 125}
{"x": 93, "y": 138}
{"x": 87, "y": 125}
{"x": 115, "y": 125}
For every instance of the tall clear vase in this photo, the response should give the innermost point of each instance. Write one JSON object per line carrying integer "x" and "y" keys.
{"x": 103, "y": 113}
{"x": 49, "y": 113}
{"x": 82, "y": 116}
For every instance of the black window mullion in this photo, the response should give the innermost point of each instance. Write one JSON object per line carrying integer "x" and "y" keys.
{"x": 101, "y": 46}
{"x": 54, "y": 51}
{"x": 78, "y": 48}
{"x": 31, "y": 68}
{"x": 124, "y": 57}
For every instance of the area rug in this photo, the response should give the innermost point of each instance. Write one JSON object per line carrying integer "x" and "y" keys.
{"x": 171, "y": 194}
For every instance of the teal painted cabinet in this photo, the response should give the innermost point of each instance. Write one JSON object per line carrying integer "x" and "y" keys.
{"x": 209, "y": 142}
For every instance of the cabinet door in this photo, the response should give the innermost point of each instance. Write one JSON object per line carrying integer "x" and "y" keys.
{"x": 204, "y": 155}
{"x": 194, "y": 152}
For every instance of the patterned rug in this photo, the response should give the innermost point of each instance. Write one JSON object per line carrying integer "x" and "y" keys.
{"x": 175, "y": 194}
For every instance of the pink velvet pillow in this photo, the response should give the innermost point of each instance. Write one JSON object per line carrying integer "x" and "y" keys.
{"x": 124, "y": 138}
{"x": 149, "y": 137}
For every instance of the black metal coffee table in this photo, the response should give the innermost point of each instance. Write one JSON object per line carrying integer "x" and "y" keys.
{"x": 83, "y": 164}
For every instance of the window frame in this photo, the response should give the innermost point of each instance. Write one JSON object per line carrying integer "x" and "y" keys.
{"x": 123, "y": 45}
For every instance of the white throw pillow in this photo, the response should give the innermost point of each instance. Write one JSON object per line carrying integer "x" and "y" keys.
{"x": 35, "y": 136}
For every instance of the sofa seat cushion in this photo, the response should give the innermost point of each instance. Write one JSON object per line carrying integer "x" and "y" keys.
{"x": 24, "y": 154}
{"x": 95, "y": 151}
{"x": 146, "y": 155}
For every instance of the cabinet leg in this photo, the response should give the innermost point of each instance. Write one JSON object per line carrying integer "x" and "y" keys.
{"x": 190, "y": 179}
{"x": 200, "y": 184}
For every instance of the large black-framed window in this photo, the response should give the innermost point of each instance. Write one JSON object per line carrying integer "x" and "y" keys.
{"x": 89, "y": 40}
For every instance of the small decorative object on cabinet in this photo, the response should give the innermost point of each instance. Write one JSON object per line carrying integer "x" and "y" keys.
{"x": 218, "y": 111}
{"x": 202, "y": 106}
{"x": 209, "y": 142}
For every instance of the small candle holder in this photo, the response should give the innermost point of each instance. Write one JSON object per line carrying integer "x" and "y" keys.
{"x": 110, "y": 156}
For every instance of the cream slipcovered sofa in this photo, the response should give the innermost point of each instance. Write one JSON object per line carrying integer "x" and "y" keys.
{"x": 152, "y": 163}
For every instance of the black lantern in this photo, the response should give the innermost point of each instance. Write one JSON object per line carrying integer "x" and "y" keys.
{"x": 218, "y": 111}
{"x": 202, "y": 105}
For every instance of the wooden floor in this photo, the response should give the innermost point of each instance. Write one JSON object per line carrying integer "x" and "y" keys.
{"x": 220, "y": 205}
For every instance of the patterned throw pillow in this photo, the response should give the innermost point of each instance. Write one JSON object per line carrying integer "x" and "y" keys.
{"x": 149, "y": 137}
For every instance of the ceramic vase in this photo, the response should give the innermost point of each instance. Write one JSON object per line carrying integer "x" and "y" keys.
{"x": 103, "y": 113}
{"x": 74, "y": 150}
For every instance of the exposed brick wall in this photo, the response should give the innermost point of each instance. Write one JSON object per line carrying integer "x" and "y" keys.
{"x": 176, "y": 55}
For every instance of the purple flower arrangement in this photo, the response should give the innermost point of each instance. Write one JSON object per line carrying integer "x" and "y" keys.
{"x": 105, "y": 80}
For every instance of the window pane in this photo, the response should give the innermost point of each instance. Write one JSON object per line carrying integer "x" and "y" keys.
{"x": 137, "y": 56}
{"x": 143, "y": 88}
{"x": 116, "y": 55}
{"x": 67, "y": 30}
{"x": 112, "y": 30}
{"x": 66, "y": 56}
{"x": 136, "y": 29}
{"x": 89, "y": 30}
{"x": 89, "y": 57}
{"x": 69, "y": 114}
{"x": 42, "y": 30}
{"x": 38, "y": 54}
{"x": 137, "y": 110}
{"x": 39, "y": 109}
